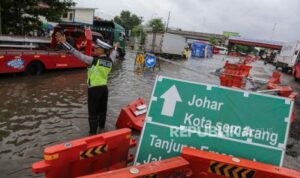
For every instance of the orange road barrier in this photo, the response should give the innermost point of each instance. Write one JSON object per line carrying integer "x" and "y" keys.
{"x": 248, "y": 59}
{"x": 232, "y": 81}
{"x": 285, "y": 91}
{"x": 237, "y": 69}
{"x": 173, "y": 167}
{"x": 275, "y": 78}
{"x": 211, "y": 165}
{"x": 234, "y": 75}
{"x": 93, "y": 154}
{"x": 133, "y": 115}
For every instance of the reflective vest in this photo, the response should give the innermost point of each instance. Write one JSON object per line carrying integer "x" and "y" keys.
{"x": 98, "y": 72}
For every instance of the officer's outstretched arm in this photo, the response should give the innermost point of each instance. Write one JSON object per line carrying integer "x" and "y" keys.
{"x": 62, "y": 40}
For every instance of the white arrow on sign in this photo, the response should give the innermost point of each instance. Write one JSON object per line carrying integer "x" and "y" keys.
{"x": 171, "y": 97}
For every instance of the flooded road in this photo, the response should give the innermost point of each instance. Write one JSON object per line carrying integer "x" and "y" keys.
{"x": 36, "y": 112}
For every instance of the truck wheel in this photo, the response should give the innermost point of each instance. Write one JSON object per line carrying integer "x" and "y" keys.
{"x": 34, "y": 68}
{"x": 285, "y": 69}
{"x": 276, "y": 66}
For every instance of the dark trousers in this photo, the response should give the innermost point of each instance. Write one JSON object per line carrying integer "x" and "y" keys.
{"x": 97, "y": 106}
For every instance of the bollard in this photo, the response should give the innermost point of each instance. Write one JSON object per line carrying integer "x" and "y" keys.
{"x": 85, "y": 156}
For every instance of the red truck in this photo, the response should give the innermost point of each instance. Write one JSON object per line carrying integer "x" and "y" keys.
{"x": 34, "y": 62}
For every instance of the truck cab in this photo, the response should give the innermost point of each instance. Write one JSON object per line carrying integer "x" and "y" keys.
{"x": 287, "y": 57}
{"x": 35, "y": 61}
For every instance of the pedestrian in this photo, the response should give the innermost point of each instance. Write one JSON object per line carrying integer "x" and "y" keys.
{"x": 99, "y": 67}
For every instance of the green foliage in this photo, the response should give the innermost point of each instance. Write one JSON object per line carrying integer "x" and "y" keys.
{"x": 20, "y": 17}
{"x": 157, "y": 25}
{"x": 213, "y": 41}
{"x": 128, "y": 20}
{"x": 139, "y": 32}
{"x": 57, "y": 8}
{"x": 245, "y": 49}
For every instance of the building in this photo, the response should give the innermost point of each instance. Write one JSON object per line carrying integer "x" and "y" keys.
{"x": 79, "y": 15}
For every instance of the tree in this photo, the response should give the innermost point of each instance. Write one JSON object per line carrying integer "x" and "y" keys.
{"x": 138, "y": 31}
{"x": 20, "y": 17}
{"x": 213, "y": 41}
{"x": 128, "y": 20}
{"x": 245, "y": 49}
{"x": 157, "y": 25}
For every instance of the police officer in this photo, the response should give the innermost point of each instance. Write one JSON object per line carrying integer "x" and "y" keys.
{"x": 100, "y": 66}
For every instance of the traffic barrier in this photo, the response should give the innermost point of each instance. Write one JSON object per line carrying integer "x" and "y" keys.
{"x": 275, "y": 78}
{"x": 236, "y": 69}
{"x": 173, "y": 167}
{"x": 247, "y": 59}
{"x": 284, "y": 91}
{"x": 293, "y": 96}
{"x": 232, "y": 81}
{"x": 133, "y": 115}
{"x": 211, "y": 165}
{"x": 88, "y": 155}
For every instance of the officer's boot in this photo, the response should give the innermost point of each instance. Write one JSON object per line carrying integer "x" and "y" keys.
{"x": 93, "y": 122}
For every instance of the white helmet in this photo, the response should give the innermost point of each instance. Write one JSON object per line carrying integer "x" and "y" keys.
{"x": 103, "y": 45}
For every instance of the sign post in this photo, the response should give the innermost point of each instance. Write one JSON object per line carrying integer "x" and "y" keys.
{"x": 213, "y": 118}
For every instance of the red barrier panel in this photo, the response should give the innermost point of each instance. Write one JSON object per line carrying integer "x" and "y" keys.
{"x": 133, "y": 115}
{"x": 293, "y": 96}
{"x": 176, "y": 167}
{"x": 236, "y": 69}
{"x": 211, "y": 165}
{"x": 284, "y": 91}
{"x": 232, "y": 81}
{"x": 85, "y": 156}
{"x": 275, "y": 78}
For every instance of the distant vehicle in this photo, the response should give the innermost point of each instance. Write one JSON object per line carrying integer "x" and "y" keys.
{"x": 220, "y": 50}
{"x": 35, "y": 61}
{"x": 270, "y": 57}
{"x": 288, "y": 56}
{"x": 201, "y": 49}
{"x": 166, "y": 45}
{"x": 112, "y": 33}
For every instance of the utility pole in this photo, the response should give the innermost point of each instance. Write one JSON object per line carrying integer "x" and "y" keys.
{"x": 167, "y": 26}
{"x": 273, "y": 30}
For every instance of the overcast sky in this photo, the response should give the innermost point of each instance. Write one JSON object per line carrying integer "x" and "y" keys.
{"x": 251, "y": 18}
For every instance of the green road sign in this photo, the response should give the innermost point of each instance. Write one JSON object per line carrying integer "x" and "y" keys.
{"x": 224, "y": 116}
{"x": 158, "y": 143}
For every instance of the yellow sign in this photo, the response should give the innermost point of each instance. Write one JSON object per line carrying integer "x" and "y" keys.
{"x": 140, "y": 59}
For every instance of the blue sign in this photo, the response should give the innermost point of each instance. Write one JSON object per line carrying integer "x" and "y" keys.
{"x": 16, "y": 63}
{"x": 150, "y": 61}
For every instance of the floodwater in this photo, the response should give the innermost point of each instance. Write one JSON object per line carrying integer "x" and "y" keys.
{"x": 36, "y": 112}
